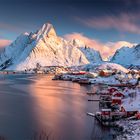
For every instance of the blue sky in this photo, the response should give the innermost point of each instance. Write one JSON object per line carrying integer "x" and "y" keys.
{"x": 70, "y": 16}
{"x": 100, "y": 23}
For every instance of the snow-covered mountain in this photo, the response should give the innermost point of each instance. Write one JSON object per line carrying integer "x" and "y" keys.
{"x": 92, "y": 55}
{"x": 127, "y": 56}
{"x": 44, "y": 47}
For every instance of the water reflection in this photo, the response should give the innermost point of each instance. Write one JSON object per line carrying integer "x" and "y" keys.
{"x": 62, "y": 109}
{"x": 15, "y": 112}
{"x": 35, "y": 104}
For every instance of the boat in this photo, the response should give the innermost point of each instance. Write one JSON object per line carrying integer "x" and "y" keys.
{"x": 105, "y": 118}
{"x": 91, "y": 114}
{"x": 76, "y": 79}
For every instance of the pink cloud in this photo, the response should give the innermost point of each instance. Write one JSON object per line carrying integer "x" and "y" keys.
{"x": 4, "y": 43}
{"x": 106, "y": 50}
{"x": 122, "y": 22}
{"x": 86, "y": 40}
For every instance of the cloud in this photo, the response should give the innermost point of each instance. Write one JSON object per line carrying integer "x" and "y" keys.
{"x": 106, "y": 50}
{"x": 4, "y": 43}
{"x": 86, "y": 40}
{"x": 122, "y": 22}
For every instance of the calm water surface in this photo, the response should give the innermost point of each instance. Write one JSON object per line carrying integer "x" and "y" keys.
{"x": 34, "y": 104}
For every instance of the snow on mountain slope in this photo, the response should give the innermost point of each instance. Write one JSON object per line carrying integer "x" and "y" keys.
{"x": 92, "y": 55}
{"x": 47, "y": 49}
{"x": 111, "y": 66}
{"x": 127, "y": 56}
{"x": 12, "y": 51}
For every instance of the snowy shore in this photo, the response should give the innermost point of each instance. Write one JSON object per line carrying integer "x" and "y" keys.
{"x": 131, "y": 130}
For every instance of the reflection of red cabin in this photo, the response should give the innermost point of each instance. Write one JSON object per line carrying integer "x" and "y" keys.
{"x": 118, "y": 94}
{"x": 116, "y": 100}
{"x": 111, "y": 90}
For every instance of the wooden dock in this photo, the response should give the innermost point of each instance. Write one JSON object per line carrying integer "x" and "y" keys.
{"x": 91, "y": 114}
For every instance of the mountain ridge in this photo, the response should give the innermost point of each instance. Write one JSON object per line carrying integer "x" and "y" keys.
{"x": 43, "y": 47}
{"x": 127, "y": 56}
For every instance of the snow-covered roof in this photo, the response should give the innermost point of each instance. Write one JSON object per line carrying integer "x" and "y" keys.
{"x": 106, "y": 110}
{"x": 118, "y": 98}
{"x": 116, "y": 92}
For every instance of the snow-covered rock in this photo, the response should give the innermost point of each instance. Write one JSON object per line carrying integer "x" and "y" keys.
{"x": 44, "y": 47}
{"x": 112, "y": 66}
{"x": 127, "y": 56}
{"x": 131, "y": 130}
{"x": 91, "y": 54}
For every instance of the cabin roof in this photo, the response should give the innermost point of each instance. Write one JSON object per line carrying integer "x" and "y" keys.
{"x": 118, "y": 98}
{"x": 106, "y": 110}
{"x": 117, "y": 92}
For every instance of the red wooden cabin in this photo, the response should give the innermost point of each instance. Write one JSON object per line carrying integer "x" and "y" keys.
{"x": 105, "y": 112}
{"x": 116, "y": 100}
{"x": 111, "y": 90}
{"x": 118, "y": 94}
{"x": 129, "y": 111}
{"x": 137, "y": 115}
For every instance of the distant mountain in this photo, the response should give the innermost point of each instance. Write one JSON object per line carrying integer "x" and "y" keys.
{"x": 44, "y": 47}
{"x": 127, "y": 56}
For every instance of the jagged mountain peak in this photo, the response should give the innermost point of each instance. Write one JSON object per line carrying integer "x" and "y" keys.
{"x": 47, "y": 49}
{"x": 77, "y": 42}
{"x": 137, "y": 46}
{"x": 46, "y": 30}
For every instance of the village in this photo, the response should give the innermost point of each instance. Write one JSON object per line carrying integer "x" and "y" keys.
{"x": 119, "y": 101}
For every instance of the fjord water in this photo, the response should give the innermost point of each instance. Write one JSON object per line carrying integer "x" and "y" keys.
{"x": 34, "y": 104}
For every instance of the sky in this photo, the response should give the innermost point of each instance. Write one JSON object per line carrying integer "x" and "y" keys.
{"x": 104, "y": 22}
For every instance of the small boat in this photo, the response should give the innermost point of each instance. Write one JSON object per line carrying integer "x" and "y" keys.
{"x": 104, "y": 117}
{"x": 75, "y": 79}
{"x": 57, "y": 77}
{"x": 67, "y": 78}
{"x": 91, "y": 114}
